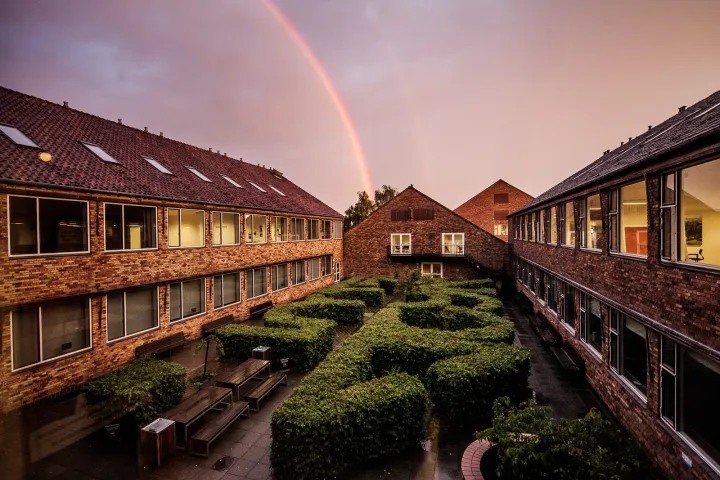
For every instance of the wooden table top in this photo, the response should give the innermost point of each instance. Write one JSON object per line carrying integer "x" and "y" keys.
{"x": 246, "y": 370}
{"x": 197, "y": 404}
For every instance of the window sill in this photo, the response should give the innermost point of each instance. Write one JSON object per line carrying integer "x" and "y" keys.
{"x": 215, "y": 309}
{"x": 298, "y": 283}
{"x": 279, "y": 290}
{"x": 50, "y": 360}
{"x": 180, "y": 320}
{"x": 569, "y": 247}
{"x": 37, "y": 255}
{"x": 629, "y": 256}
{"x": 133, "y": 335}
{"x": 596, "y": 251}
{"x": 568, "y": 328}
{"x": 593, "y": 352}
{"x": 299, "y": 240}
{"x": 634, "y": 392}
{"x": 696, "y": 267}
{"x": 278, "y": 241}
{"x": 131, "y": 250}
{"x": 257, "y": 296}
{"x": 256, "y": 243}
{"x": 186, "y": 248}
{"x": 681, "y": 438}
{"x": 226, "y": 244}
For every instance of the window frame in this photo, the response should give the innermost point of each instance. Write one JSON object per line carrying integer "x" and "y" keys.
{"x": 182, "y": 299}
{"x": 553, "y": 215}
{"x": 454, "y": 252}
{"x": 323, "y": 267}
{"x": 37, "y": 226}
{"x": 585, "y": 222}
{"x": 495, "y": 227}
{"x": 293, "y": 235}
{"x": 309, "y": 273}
{"x": 620, "y": 318}
{"x": 222, "y": 289}
{"x": 212, "y": 227}
{"x": 671, "y": 207}
{"x": 40, "y": 338}
{"x": 293, "y": 277}
{"x": 401, "y": 253}
{"x": 107, "y": 316}
{"x": 309, "y": 229}
{"x": 274, "y": 276}
{"x": 110, "y": 158}
{"x": 167, "y": 230}
{"x": 326, "y": 234}
{"x": 337, "y": 232}
{"x": 253, "y": 215}
{"x": 250, "y": 273}
{"x": 563, "y": 220}
{"x": 123, "y": 205}
{"x": 584, "y": 319}
{"x": 431, "y": 275}
{"x": 287, "y": 228}
{"x": 615, "y": 212}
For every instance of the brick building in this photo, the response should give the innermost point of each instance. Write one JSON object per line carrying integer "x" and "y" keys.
{"x": 622, "y": 260}
{"x": 112, "y": 237}
{"x": 490, "y": 208}
{"x": 413, "y": 231}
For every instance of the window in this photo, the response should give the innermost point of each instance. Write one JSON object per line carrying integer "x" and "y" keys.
{"x": 553, "y": 297}
{"x": 500, "y": 214}
{"x": 257, "y": 186}
{"x": 543, "y": 226}
{"x": 400, "y": 244}
{"x": 568, "y": 224}
{"x": 690, "y": 392}
{"x": 186, "y": 228}
{"x": 100, "y": 153}
{"x": 533, "y": 228}
{"x": 199, "y": 174}
{"x": 158, "y": 165}
{"x": 326, "y": 265}
{"x": 591, "y": 331}
{"x": 338, "y": 227}
{"x": 531, "y": 278}
{"x": 279, "y": 277}
{"x": 567, "y": 312}
{"x": 256, "y": 282}
{"x": 278, "y": 229}
{"x": 590, "y": 222}
{"x": 130, "y": 312}
{"x": 313, "y": 229}
{"x": 400, "y": 215}
{"x": 226, "y": 228}
{"x": 50, "y": 331}
{"x": 528, "y": 227}
{"x": 628, "y": 349}
{"x": 130, "y": 227}
{"x": 326, "y": 230}
{"x": 541, "y": 284}
{"x": 255, "y": 229}
{"x": 232, "y": 182}
{"x": 553, "y": 226}
{"x": 501, "y": 229}
{"x": 453, "y": 243}
{"x": 17, "y": 136}
{"x": 433, "y": 270}
{"x": 501, "y": 198}
{"x": 314, "y": 268}
{"x": 226, "y": 289}
{"x": 278, "y": 191}
{"x": 298, "y": 272}
{"x": 629, "y": 232}
{"x": 48, "y": 226}
{"x": 523, "y": 227}
{"x": 298, "y": 229}
{"x": 424, "y": 214}
{"x": 668, "y": 220}
{"x": 187, "y": 299}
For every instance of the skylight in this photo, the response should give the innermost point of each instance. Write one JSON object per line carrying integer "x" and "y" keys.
{"x": 157, "y": 165}
{"x": 100, "y": 153}
{"x": 17, "y": 136}
{"x": 257, "y": 186}
{"x": 704, "y": 112}
{"x": 278, "y": 191}
{"x": 233, "y": 182}
{"x": 199, "y": 175}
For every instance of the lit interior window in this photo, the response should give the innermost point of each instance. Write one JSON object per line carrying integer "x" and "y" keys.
{"x": 100, "y": 153}
{"x": 157, "y": 165}
{"x": 232, "y": 182}
{"x": 17, "y": 136}
{"x": 199, "y": 174}
{"x": 278, "y": 191}
{"x": 257, "y": 186}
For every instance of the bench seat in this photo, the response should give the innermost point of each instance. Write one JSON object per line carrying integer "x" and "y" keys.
{"x": 160, "y": 346}
{"x": 264, "y": 388}
{"x": 210, "y": 327}
{"x": 565, "y": 360}
{"x": 201, "y": 440}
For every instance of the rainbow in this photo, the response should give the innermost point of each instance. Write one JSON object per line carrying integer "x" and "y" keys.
{"x": 327, "y": 83}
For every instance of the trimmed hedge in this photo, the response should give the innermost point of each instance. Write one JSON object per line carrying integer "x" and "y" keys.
{"x": 491, "y": 305}
{"x": 373, "y": 297}
{"x": 388, "y": 284}
{"x": 142, "y": 389}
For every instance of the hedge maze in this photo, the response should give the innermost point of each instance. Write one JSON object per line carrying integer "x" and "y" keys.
{"x": 372, "y": 397}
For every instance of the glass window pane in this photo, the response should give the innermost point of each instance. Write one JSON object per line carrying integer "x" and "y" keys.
{"x": 65, "y": 328}
{"x": 634, "y": 219}
{"x": 230, "y": 228}
{"x": 668, "y": 194}
{"x": 594, "y": 328}
{"x": 193, "y": 233}
{"x": 668, "y": 395}
{"x": 113, "y": 227}
{"x": 614, "y": 351}
{"x": 140, "y": 227}
{"x": 700, "y": 398}
{"x": 594, "y": 222}
{"x": 193, "y": 294}
{"x": 217, "y": 291}
{"x": 634, "y": 351}
{"x": 569, "y": 311}
{"x": 115, "y": 316}
{"x": 338, "y": 228}
{"x": 25, "y": 337}
{"x": 569, "y": 224}
{"x": 700, "y": 214}
{"x": 217, "y": 228}
{"x": 142, "y": 310}
{"x": 668, "y": 226}
{"x": 173, "y": 227}
{"x": 668, "y": 353}
{"x": 249, "y": 284}
{"x": 23, "y": 226}
{"x": 63, "y": 226}
{"x": 231, "y": 288}
{"x": 175, "y": 302}
{"x": 553, "y": 225}
{"x": 259, "y": 281}
{"x": 282, "y": 277}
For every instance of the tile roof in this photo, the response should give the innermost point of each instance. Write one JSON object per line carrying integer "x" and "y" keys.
{"x": 688, "y": 125}
{"x": 60, "y": 130}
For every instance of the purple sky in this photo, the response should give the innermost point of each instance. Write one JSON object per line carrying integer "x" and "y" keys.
{"x": 446, "y": 95}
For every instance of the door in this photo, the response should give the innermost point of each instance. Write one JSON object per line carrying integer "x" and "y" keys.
{"x": 337, "y": 271}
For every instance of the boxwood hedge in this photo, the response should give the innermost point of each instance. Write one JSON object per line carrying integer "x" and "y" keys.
{"x": 373, "y": 297}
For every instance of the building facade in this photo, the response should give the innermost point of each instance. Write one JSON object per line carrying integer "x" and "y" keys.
{"x": 414, "y": 232}
{"x": 113, "y": 237}
{"x": 622, "y": 260}
{"x": 490, "y": 208}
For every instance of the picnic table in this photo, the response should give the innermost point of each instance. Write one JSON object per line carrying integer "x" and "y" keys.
{"x": 243, "y": 373}
{"x": 194, "y": 407}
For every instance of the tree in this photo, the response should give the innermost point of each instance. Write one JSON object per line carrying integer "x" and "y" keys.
{"x": 358, "y": 212}
{"x": 384, "y": 195}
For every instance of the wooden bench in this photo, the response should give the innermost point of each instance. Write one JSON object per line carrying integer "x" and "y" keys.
{"x": 201, "y": 440}
{"x": 162, "y": 345}
{"x": 264, "y": 388}
{"x": 210, "y": 327}
{"x": 260, "y": 308}
{"x": 565, "y": 360}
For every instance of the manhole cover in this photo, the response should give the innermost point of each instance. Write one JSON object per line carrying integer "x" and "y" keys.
{"x": 222, "y": 463}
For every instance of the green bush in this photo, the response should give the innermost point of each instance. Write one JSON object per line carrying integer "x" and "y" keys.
{"x": 422, "y": 314}
{"x": 491, "y": 305}
{"x": 474, "y": 284}
{"x": 388, "y": 285}
{"x": 463, "y": 388}
{"x": 344, "y": 312}
{"x": 590, "y": 447}
{"x": 465, "y": 299}
{"x": 373, "y": 297}
{"x": 416, "y": 296}
{"x": 142, "y": 389}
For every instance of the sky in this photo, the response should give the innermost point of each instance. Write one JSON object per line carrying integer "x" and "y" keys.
{"x": 446, "y": 95}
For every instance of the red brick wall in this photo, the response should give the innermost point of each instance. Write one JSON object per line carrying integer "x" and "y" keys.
{"x": 39, "y": 279}
{"x": 366, "y": 246}
{"x": 480, "y": 208}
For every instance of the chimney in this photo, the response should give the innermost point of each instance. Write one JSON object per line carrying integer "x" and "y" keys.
{"x": 119, "y": 121}
{"x": 649, "y": 127}
{"x": 146, "y": 130}
{"x": 682, "y": 109}
{"x": 622, "y": 143}
{"x": 66, "y": 104}
{"x": 629, "y": 138}
{"x": 218, "y": 151}
{"x": 161, "y": 135}
{"x": 210, "y": 149}
{"x": 225, "y": 153}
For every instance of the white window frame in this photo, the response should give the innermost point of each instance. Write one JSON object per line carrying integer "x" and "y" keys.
{"x": 182, "y": 299}
{"x": 293, "y": 235}
{"x": 167, "y": 222}
{"x": 329, "y": 271}
{"x": 37, "y": 227}
{"x": 158, "y": 166}
{"x": 455, "y": 251}
{"x": 431, "y": 275}
{"x": 253, "y": 223}
{"x": 337, "y": 268}
{"x": 338, "y": 232}
{"x": 309, "y": 275}
{"x": 562, "y": 220}
{"x": 399, "y": 236}
{"x": 40, "y": 338}
{"x": 585, "y": 222}
{"x": 222, "y": 289}
{"x": 199, "y": 174}
{"x": 125, "y": 337}
{"x": 278, "y": 191}
{"x": 287, "y": 228}
{"x": 273, "y": 273}
{"x": 249, "y": 273}
{"x": 257, "y": 186}
{"x": 327, "y": 235}
{"x": 231, "y": 181}
{"x": 241, "y": 225}
{"x": 293, "y": 269}
{"x": 309, "y": 229}
{"x": 123, "y": 205}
